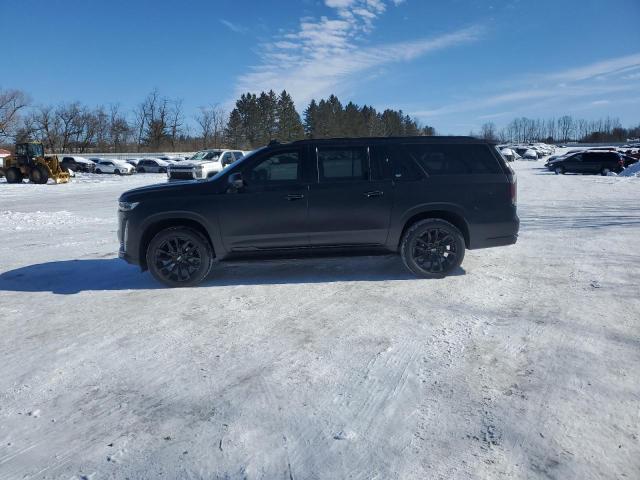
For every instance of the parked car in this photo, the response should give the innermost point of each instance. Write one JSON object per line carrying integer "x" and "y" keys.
{"x": 589, "y": 161}
{"x": 132, "y": 161}
{"x": 78, "y": 164}
{"x": 204, "y": 164}
{"x": 509, "y": 155}
{"x": 425, "y": 198}
{"x": 526, "y": 153}
{"x": 152, "y": 165}
{"x": 118, "y": 167}
{"x": 555, "y": 157}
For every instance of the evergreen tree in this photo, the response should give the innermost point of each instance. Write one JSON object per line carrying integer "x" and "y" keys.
{"x": 267, "y": 104}
{"x": 353, "y": 121}
{"x": 289, "y": 127}
{"x": 234, "y": 131}
{"x": 248, "y": 111}
{"x": 311, "y": 119}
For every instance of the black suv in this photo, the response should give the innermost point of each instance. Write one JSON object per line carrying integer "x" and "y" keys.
{"x": 427, "y": 198}
{"x": 593, "y": 161}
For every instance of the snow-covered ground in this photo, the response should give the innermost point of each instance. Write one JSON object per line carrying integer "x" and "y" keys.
{"x": 525, "y": 365}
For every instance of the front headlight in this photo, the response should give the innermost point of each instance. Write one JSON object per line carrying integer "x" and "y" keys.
{"x": 127, "y": 206}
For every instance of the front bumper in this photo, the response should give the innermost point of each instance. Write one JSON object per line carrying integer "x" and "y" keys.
{"x": 185, "y": 174}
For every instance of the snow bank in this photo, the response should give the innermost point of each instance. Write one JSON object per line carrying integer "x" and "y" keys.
{"x": 631, "y": 171}
{"x": 29, "y": 221}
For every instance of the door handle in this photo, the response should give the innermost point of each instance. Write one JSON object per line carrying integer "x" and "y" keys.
{"x": 375, "y": 193}
{"x": 294, "y": 196}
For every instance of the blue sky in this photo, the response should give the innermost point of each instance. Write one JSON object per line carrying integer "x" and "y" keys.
{"x": 453, "y": 64}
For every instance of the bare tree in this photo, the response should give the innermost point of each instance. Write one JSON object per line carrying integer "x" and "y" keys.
{"x": 11, "y": 102}
{"x": 176, "y": 121}
{"x": 119, "y": 128}
{"x": 488, "y": 132}
{"x": 204, "y": 119}
{"x": 45, "y": 127}
{"x": 212, "y": 120}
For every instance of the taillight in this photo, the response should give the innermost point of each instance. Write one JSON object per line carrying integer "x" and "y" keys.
{"x": 514, "y": 190}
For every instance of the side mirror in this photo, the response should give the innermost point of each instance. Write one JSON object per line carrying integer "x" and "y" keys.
{"x": 236, "y": 182}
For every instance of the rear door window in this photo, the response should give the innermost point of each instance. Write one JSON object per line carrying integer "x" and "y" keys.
{"x": 454, "y": 159}
{"x": 342, "y": 164}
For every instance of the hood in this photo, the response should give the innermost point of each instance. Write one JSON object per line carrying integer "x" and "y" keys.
{"x": 193, "y": 163}
{"x": 157, "y": 190}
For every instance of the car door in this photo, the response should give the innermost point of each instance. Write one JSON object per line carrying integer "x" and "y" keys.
{"x": 573, "y": 163}
{"x": 270, "y": 211}
{"x": 347, "y": 206}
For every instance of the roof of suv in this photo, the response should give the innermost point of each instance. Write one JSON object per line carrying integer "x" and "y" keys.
{"x": 422, "y": 139}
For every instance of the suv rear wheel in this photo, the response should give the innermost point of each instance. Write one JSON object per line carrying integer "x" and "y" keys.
{"x": 432, "y": 248}
{"x": 179, "y": 257}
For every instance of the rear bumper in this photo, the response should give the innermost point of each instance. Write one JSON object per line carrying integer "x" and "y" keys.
{"x": 495, "y": 234}
{"x": 498, "y": 241}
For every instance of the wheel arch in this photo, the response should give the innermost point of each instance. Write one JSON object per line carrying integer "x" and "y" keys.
{"x": 157, "y": 225}
{"x": 448, "y": 215}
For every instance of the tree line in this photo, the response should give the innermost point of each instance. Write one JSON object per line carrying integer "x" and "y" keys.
{"x": 159, "y": 123}
{"x": 561, "y": 130}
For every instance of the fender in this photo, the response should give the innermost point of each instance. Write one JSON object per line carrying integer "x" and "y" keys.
{"x": 213, "y": 231}
{"x": 399, "y": 222}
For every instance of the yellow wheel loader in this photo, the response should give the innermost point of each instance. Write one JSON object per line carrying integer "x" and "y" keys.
{"x": 30, "y": 162}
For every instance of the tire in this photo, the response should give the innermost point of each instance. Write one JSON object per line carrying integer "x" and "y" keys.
{"x": 559, "y": 170}
{"x": 163, "y": 170}
{"x": 13, "y": 175}
{"x": 98, "y": 171}
{"x": 438, "y": 243}
{"x": 39, "y": 174}
{"x": 141, "y": 170}
{"x": 169, "y": 246}
{"x": 117, "y": 172}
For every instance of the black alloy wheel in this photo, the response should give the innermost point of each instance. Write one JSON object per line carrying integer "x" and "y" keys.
{"x": 432, "y": 248}
{"x": 179, "y": 257}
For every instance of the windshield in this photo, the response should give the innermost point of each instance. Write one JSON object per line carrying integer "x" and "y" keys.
{"x": 36, "y": 150}
{"x": 206, "y": 155}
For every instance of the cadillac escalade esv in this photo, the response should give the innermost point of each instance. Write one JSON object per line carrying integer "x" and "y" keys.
{"x": 425, "y": 198}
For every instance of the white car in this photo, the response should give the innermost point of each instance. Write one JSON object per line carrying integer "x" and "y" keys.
{"x": 152, "y": 165}
{"x": 204, "y": 164}
{"x": 530, "y": 154}
{"x": 119, "y": 167}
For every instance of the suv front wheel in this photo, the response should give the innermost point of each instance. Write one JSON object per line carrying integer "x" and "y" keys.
{"x": 432, "y": 248}
{"x": 179, "y": 257}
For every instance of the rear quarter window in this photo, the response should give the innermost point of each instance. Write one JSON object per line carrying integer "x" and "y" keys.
{"x": 394, "y": 161}
{"x": 454, "y": 159}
